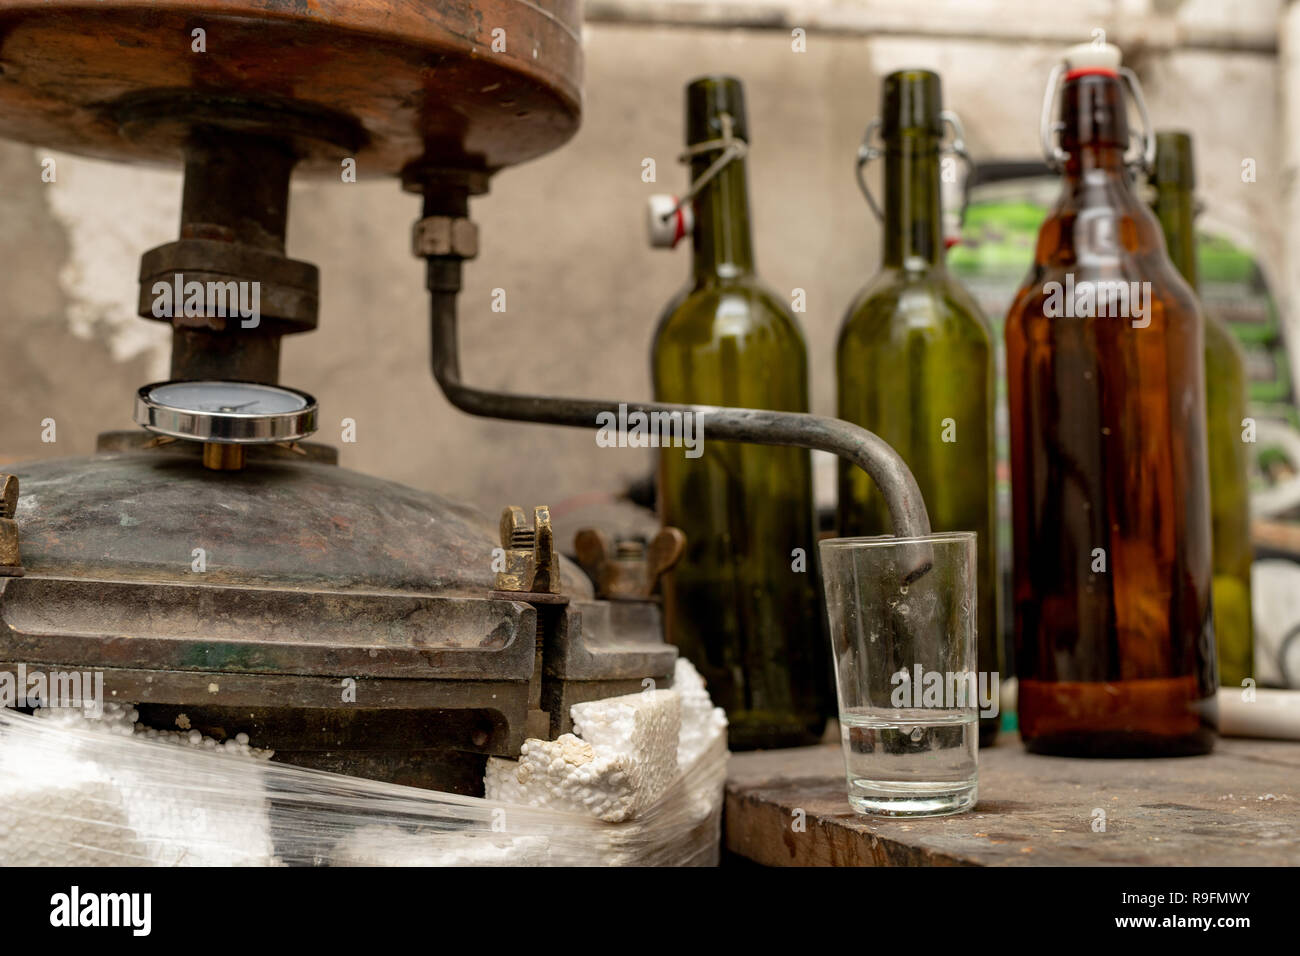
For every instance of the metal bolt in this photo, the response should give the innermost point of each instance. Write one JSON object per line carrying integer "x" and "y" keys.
{"x": 11, "y": 560}
{"x": 531, "y": 563}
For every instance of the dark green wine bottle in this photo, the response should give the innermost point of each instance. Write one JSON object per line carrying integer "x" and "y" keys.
{"x": 743, "y": 603}
{"x": 1174, "y": 181}
{"x": 915, "y": 358}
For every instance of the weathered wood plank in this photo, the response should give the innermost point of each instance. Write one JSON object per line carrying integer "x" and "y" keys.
{"x": 1237, "y": 806}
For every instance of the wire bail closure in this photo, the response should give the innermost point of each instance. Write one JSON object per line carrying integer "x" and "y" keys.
{"x": 869, "y": 151}
{"x": 732, "y": 150}
{"x": 1049, "y": 129}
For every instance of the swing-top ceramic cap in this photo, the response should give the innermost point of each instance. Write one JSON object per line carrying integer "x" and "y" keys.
{"x": 667, "y": 224}
{"x": 1090, "y": 57}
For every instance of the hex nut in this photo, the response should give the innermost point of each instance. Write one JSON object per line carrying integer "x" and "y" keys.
{"x": 445, "y": 236}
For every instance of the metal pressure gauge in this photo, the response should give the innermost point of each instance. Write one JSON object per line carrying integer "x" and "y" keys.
{"x": 225, "y": 416}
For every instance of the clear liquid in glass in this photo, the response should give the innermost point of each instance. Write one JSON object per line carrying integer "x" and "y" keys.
{"x": 911, "y": 761}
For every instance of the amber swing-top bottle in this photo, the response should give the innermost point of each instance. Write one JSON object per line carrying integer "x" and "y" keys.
{"x": 1105, "y": 375}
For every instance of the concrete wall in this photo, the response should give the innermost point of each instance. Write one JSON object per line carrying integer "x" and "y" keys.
{"x": 564, "y": 237}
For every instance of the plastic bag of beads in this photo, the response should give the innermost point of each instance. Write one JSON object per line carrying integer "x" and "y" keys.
{"x": 81, "y": 791}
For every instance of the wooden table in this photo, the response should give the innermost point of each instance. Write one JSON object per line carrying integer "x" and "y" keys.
{"x": 1237, "y": 806}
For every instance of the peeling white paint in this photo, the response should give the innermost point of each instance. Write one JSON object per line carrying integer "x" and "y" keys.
{"x": 112, "y": 213}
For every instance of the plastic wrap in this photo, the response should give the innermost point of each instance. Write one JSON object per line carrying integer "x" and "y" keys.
{"x": 80, "y": 792}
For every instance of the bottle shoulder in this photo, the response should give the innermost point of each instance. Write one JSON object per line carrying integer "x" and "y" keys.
{"x": 898, "y": 300}
{"x": 1222, "y": 350}
{"x": 1090, "y": 245}
{"x": 730, "y": 344}
{"x": 1097, "y": 222}
{"x": 735, "y": 308}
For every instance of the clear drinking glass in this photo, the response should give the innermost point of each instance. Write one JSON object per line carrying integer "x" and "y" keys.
{"x": 903, "y": 630}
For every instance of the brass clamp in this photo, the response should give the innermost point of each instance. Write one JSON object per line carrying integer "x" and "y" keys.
{"x": 630, "y": 569}
{"x": 11, "y": 561}
{"x": 531, "y": 564}
{"x": 531, "y": 574}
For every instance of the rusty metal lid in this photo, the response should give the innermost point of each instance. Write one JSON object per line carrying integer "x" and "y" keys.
{"x": 477, "y": 85}
{"x": 146, "y": 516}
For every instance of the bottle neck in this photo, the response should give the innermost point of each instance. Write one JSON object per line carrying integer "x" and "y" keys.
{"x": 1175, "y": 210}
{"x": 723, "y": 246}
{"x": 1094, "y": 128}
{"x": 913, "y": 210}
{"x": 1095, "y": 138}
{"x": 1097, "y": 162}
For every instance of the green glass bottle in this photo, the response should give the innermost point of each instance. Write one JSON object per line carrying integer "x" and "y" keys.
{"x": 1173, "y": 180}
{"x": 742, "y": 603}
{"x": 915, "y": 358}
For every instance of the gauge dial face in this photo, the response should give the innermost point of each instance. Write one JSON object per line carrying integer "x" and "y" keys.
{"x": 226, "y": 412}
{"x": 227, "y": 397}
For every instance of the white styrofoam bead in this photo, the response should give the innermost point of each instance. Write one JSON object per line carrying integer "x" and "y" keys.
{"x": 643, "y": 727}
{"x": 85, "y": 802}
{"x": 387, "y": 845}
{"x": 702, "y": 723}
{"x": 621, "y": 759}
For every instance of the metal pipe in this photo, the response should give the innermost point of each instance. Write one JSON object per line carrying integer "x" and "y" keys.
{"x": 758, "y": 426}
{"x": 236, "y": 190}
{"x": 236, "y": 187}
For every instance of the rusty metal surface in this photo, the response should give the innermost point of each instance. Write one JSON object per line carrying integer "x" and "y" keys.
{"x": 306, "y": 729}
{"x": 420, "y": 79}
{"x": 289, "y": 290}
{"x": 199, "y": 355}
{"x": 263, "y": 631}
{"x": 317, "y": 580}
{"x": 11, "y": 559}
{"x": 9, "y": 490}
{"x": 139, "y": 516}
{"x": 232, "y": 239}
{"x": 138, "y": 439}
{"x": 611, "y": 640}
{"x": 171, "y": 120}
{"x": 449, "y": 771}
{"x": 435, "y": 679}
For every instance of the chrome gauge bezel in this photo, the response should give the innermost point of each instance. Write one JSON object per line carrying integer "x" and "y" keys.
{"x": 225, "y": 427}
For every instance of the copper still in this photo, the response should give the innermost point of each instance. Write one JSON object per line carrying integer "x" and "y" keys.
{"x": 351, "y": 623}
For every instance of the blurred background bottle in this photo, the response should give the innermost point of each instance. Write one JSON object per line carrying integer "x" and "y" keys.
{"x": 1173, "y": 181}
{"x": 914, "y": 361}
{"x": 743, "y": 602}
{"x": 1112, "y": 578}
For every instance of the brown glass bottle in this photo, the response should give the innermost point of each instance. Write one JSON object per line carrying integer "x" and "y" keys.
{"x": 1111, "y": 594}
